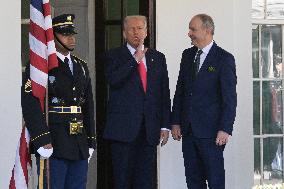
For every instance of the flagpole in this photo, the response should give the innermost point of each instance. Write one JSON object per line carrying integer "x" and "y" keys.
{"x": 47, "y": 123}
{"x": 41, "y": 32}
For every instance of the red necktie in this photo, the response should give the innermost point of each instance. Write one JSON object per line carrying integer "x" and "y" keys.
{"x": 143, "y": 74}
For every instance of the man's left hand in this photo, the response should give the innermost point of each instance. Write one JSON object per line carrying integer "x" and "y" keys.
{"x": 164, "y": 136}
{"x": 222, "y": 138}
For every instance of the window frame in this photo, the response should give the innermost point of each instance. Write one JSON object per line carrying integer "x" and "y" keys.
{"x": 261, "y": 79}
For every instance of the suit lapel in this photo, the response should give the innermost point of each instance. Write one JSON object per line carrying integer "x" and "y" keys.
{"x": 208, "y": 60}
{"x": 76, "y": 68}
{"x": 126, "y": 55}
{"x": 150, "y": 65}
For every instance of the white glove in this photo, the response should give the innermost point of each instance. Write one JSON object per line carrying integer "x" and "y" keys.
{"x": 91, "y": 151}
{"x": 45, "y": 153}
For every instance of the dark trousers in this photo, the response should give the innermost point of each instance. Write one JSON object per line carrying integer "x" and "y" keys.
{"x": 133, "y": 163}
{"x": 203, "y": 161}
{"x": 64, "y": 174}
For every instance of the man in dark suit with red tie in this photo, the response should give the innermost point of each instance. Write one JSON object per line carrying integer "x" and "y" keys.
{"x": 138, "y": 106}
{"x": 204, "y": 106}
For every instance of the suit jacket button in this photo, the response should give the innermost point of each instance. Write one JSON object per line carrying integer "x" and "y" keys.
{"x": 190, "y": 94}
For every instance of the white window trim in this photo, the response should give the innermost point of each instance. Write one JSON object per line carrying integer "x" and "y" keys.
{"x": 268, "y": 21}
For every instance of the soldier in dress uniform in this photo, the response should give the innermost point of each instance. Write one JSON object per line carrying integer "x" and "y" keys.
{"x": 69, "y": 138}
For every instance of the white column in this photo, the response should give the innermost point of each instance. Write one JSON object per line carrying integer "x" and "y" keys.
{"x": 10, "y": 82}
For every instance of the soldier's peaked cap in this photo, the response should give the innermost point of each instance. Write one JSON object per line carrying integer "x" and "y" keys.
{"x": 64, "y": 24}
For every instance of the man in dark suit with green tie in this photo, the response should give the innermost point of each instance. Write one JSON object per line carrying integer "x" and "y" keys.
{"x": 204, "y": 106}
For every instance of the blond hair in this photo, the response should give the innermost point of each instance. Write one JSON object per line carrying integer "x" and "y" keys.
{"x": 138, "y": 17}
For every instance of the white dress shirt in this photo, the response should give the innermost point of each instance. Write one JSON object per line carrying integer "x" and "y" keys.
{"x": 204, "y": 54}
{"x": 62, "y": 57}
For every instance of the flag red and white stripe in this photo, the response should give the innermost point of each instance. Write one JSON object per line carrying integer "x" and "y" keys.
{"x": 42, "y": 59}
{"x": 20, "y": 173}
{"x": 42, "y": 47}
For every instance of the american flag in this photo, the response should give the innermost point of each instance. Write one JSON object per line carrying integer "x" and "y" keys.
{"x": 42, "y": 48}
{"x": 42, "y": 59}
{"x": 20, "y": 173}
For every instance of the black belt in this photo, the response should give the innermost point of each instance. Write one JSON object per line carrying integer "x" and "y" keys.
{"x": 65, "y": 109}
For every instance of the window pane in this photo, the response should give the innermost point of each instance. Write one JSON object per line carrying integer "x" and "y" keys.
{"x": 275, "y": 9}
{"x": 132, "y": 7}
{"x": 272, "y": 160}
{"x": 272, "y": 107}
{"x": 113, "y": 10}
{"x": 25, "y": 44}
{"x": 257, "y": 10}
{"x": 113, "y": 36}
{"x": 255, "y": 52}
{"x": 256, "y": 108}
{"x": 277, "y": 106}
{"x": 257, "y": 167}
{"x": 271, "y": 50}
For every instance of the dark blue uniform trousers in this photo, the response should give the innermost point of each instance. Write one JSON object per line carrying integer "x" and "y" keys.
{"x": 64, "y": 174}
{"x": 203, "y": 161}
{"x": 133, "y": 163}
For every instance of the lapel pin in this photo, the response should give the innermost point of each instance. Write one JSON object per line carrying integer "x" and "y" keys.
{"x": 51, "y": 79}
